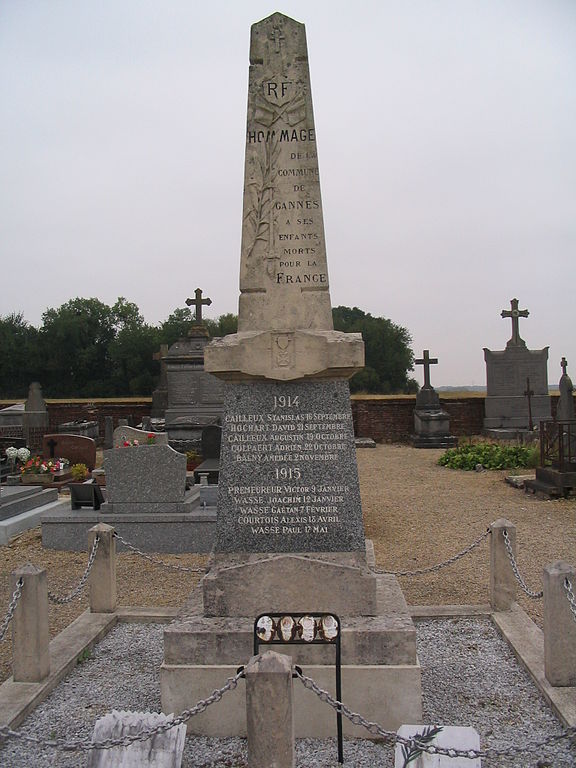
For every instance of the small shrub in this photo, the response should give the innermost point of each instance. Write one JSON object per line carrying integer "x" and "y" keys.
{"x": 79, "y": 472}
{"x": 490, "y": 456}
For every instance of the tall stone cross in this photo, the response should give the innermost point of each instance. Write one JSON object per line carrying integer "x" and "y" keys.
{"x": 427, "y": 361}
{"x": 198, "y": 302}
{"x": 515, "y": 313}
{"x": 564, "y": 365}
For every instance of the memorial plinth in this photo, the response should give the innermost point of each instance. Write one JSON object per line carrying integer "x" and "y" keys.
{"x": 290, "y": 535}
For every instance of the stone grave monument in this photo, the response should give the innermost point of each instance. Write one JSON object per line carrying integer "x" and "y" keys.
{"x": 195, "y": 397}
{"x": 431, "y": 421}
{"x": 516, "y": 383}
{"x": 290, "y": 535}
{"x": 147, "y": 500}
{"x": 35, "y": 418}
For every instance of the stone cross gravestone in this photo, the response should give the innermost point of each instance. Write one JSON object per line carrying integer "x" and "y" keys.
{"x": 194, "y": 396}
{"x": 506, "y": 404}
{"x": 431, "y": 421}
{"x": 565, "y": 410}
{"x": 290, "y": 535}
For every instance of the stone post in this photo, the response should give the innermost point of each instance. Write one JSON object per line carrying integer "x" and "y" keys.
{"x": 103, "y": 573}
{"x": 30, "y": 633}
{"x": 269, "y": 711}
{"x": 502, "y": 579}
{"x": 559, "y": 625}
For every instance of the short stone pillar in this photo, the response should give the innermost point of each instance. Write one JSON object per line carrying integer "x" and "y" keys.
{"x": 269, "y": 711}
{"x": 30, "y": 632}
{"x": 559, "y": 625}
{"x": 502, "y": 579}
{"x": 103, "y": 573}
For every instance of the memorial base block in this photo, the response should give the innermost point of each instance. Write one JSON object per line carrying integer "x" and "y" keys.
{"x": 380, "y": 671}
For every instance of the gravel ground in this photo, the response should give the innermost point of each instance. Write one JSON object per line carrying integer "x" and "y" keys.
{"x": 470, "y": 677}
{"x": 417, "y": 514}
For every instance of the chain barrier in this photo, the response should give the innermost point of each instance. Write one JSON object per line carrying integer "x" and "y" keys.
{"x": 81, "y": 584}
{"x": 439, "y": 566}
{"x": 393, "y": 738}
{"x": 570, "y": 596}
{"x": 156, "y": 561}
{"x": 85, "y": 746}
{"x": 519, "y": 579}
{"x": 16, "y": 595}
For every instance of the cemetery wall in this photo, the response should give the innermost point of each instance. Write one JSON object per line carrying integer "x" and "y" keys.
{"x": 385, "y": 418}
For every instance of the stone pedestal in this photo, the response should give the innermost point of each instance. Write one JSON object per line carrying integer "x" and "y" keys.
{"x": 431, "y": 422}
{"x": 380, "y": 671}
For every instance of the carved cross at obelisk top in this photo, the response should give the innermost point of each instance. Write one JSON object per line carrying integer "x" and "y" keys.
{"x": 564, "y": 365}
{"x": 515, "y": 313}
{"x": 198, "y": 302}
{"x": 276, "y": 36}
{"x": 427, "y": 361}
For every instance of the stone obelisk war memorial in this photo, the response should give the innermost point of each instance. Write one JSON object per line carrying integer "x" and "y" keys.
{"x": 290, "y": 535}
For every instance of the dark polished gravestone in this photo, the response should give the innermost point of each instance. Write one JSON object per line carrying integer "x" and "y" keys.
{"x": 290, "y": 535}
{"x": 508, "y": 406}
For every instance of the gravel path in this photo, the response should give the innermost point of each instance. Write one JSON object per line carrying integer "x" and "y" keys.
{"x": 470, "y": 677}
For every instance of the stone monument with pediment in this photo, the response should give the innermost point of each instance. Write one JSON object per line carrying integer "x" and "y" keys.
{"x": 195, "y": 397}
{"x": 290, "y": 534}
{"x": 516, "y": 382}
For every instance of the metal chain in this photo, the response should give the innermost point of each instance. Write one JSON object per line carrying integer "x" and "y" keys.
{"x": 391, "y": 736}
{"x": 520, "y": 580}
{"x": 16, "y": 595}
{"x": 169, "y": 566}
{"x": 85, "y": 746}
{"x": 570, "y": 596}
{"x": 81, "y": 584}
{"x": 433, "y": 568}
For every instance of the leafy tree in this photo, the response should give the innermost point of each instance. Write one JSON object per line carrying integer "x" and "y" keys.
{"x": 74, "y": 343}
{"x": 18, "y": 363}
{"x": 389, "y": 356}
{"x": 223, "y": 325}
{"x": 134, "y": 370}
{"x": 176, "y": 326}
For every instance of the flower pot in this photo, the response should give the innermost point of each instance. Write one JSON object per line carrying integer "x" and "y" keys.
{"x": 42, "y": 479}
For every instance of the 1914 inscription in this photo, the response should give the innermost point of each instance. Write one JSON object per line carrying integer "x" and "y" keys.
{"x": 289, "y": 478}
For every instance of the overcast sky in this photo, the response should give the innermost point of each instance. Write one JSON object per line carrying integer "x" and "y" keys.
{"x": 447, "y": 148}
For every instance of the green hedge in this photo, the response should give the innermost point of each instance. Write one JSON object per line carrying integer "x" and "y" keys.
{"x": 490, "y": 456}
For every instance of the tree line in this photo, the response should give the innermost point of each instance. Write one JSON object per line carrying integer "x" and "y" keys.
{"x": 86, "y": 348}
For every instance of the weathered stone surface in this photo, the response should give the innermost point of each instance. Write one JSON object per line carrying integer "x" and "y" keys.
{"x": 144, "y": 479}
{"x": 285, "y": 580}
{"x": 269, "y": 711}
{"x": 163, "y": 750}
{"x": 559, "y": 625}
{"x": 124, "y": 433}
{"x": 288, "y": 479}
{"x": 456, "y": 737}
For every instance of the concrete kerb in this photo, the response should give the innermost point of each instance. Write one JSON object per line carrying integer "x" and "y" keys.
{"x": 526, "y": 640}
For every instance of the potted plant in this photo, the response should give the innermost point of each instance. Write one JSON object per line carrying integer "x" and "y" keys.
{"x": 39, "y": 471}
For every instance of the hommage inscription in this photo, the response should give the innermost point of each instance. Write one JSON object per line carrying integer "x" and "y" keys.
{"x": 297, "y": 442}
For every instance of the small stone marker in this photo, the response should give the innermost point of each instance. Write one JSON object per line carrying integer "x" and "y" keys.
{"x": 449, "y": 737}
{"x": 565, "y": 410}
{"x": 163, "y": 750}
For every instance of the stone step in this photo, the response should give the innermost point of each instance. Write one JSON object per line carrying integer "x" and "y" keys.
{"x": 34, "y": 498}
